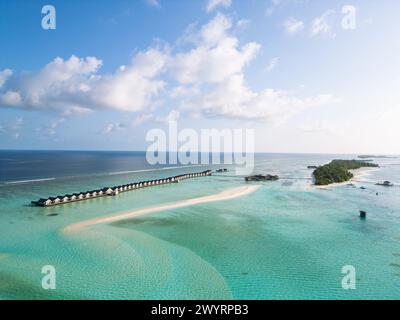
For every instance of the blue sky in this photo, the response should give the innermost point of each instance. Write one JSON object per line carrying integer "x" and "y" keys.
{"x": 112, "y": 70}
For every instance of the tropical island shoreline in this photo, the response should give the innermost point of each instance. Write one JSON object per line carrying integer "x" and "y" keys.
{"x": 357, "y": 175}
{"x": 228, "y": 194}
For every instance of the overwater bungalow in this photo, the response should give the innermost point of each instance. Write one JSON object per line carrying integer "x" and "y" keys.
{"x": 108, "y": 191}
{"x": 44, "y": 202}
{"x": 55, "y": 200}
{"x": 64, "y": 199}
{"x": 122, "y": 188}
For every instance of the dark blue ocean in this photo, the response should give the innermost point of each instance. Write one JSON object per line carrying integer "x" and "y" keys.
{"x": 21, "y": 166}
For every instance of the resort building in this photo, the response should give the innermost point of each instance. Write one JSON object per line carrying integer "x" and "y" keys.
{"x": 55, "y": 200}
{"x": 117, "y": 189}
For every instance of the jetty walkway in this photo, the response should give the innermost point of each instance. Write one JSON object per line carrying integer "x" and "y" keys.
{"x": 113, "y": 191}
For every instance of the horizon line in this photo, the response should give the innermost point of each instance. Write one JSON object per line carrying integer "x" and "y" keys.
{"x": 222, "y": 152}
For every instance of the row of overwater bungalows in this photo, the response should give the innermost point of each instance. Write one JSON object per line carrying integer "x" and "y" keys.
{"x": 112, "y": 191}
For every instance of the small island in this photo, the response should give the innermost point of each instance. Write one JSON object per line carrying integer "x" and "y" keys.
{"x": 337, "y": 171}
{"x": 261, "y": 177}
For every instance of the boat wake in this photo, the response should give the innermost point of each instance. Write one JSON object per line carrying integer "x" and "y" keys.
{"x": 28, "y": 181}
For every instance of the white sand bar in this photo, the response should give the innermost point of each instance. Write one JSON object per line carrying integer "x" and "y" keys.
{"x": 224, "y": 195}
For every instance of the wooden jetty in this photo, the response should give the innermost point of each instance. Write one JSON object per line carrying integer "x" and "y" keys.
{"x": 113, "y": 191}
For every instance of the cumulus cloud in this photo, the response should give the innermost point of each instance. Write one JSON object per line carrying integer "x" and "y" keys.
{"x": 217, "y": 55}
{"x": 213, "y": 4}
{"x": 323, "y": 25}
{"x": 73, "y": 86}
{"x": 293, "y": 26}
{"x": 4, "y": 75}
{"x": 206, "y": 77}
{"x": 233, "y": 99}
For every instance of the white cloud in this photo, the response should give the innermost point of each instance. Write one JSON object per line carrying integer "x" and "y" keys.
{"x": 184, "y": 91}
{"x": 213, "y": 4}
{"x": 173, "y": 115}
{"x": 16, "y": 125}
{"x": 134, "y": 88}
{"x": 11, "y": 98}
{"x": 243, "y": 23}
{"x": 50, "y": 128}
{"x": 314, "y": 126}
{"x": 12, "y": 128}
{"x": 272, "y": 64}
{"x": 271, "y": 9}
{"x": 293, "y": 26}
{"x": 142, "y": 119}
{"x": 216, "y": 56}
{"x": 53, "y": 125}
{"x": 323, "y": 25}
{"x": 233, "y": 99}
{"x": 73, "y": 86}
{"x": 4, "y": 75}
{"x": 207, "y": 79}
{"x": 113, "y": 127}
{"x": 153, "y": 3}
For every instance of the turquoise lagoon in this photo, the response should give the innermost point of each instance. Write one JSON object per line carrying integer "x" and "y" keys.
{"x": 287, "y": 240}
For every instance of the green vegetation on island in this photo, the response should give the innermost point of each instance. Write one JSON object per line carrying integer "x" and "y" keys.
{"x": 338, "y": 171}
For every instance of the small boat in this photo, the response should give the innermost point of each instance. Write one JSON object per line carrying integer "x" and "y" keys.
{"x": 385, "y": 184}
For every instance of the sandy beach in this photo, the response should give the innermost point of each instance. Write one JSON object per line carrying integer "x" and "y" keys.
{"x": 357, "y": 175}
{"x": 224, "y": 195}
